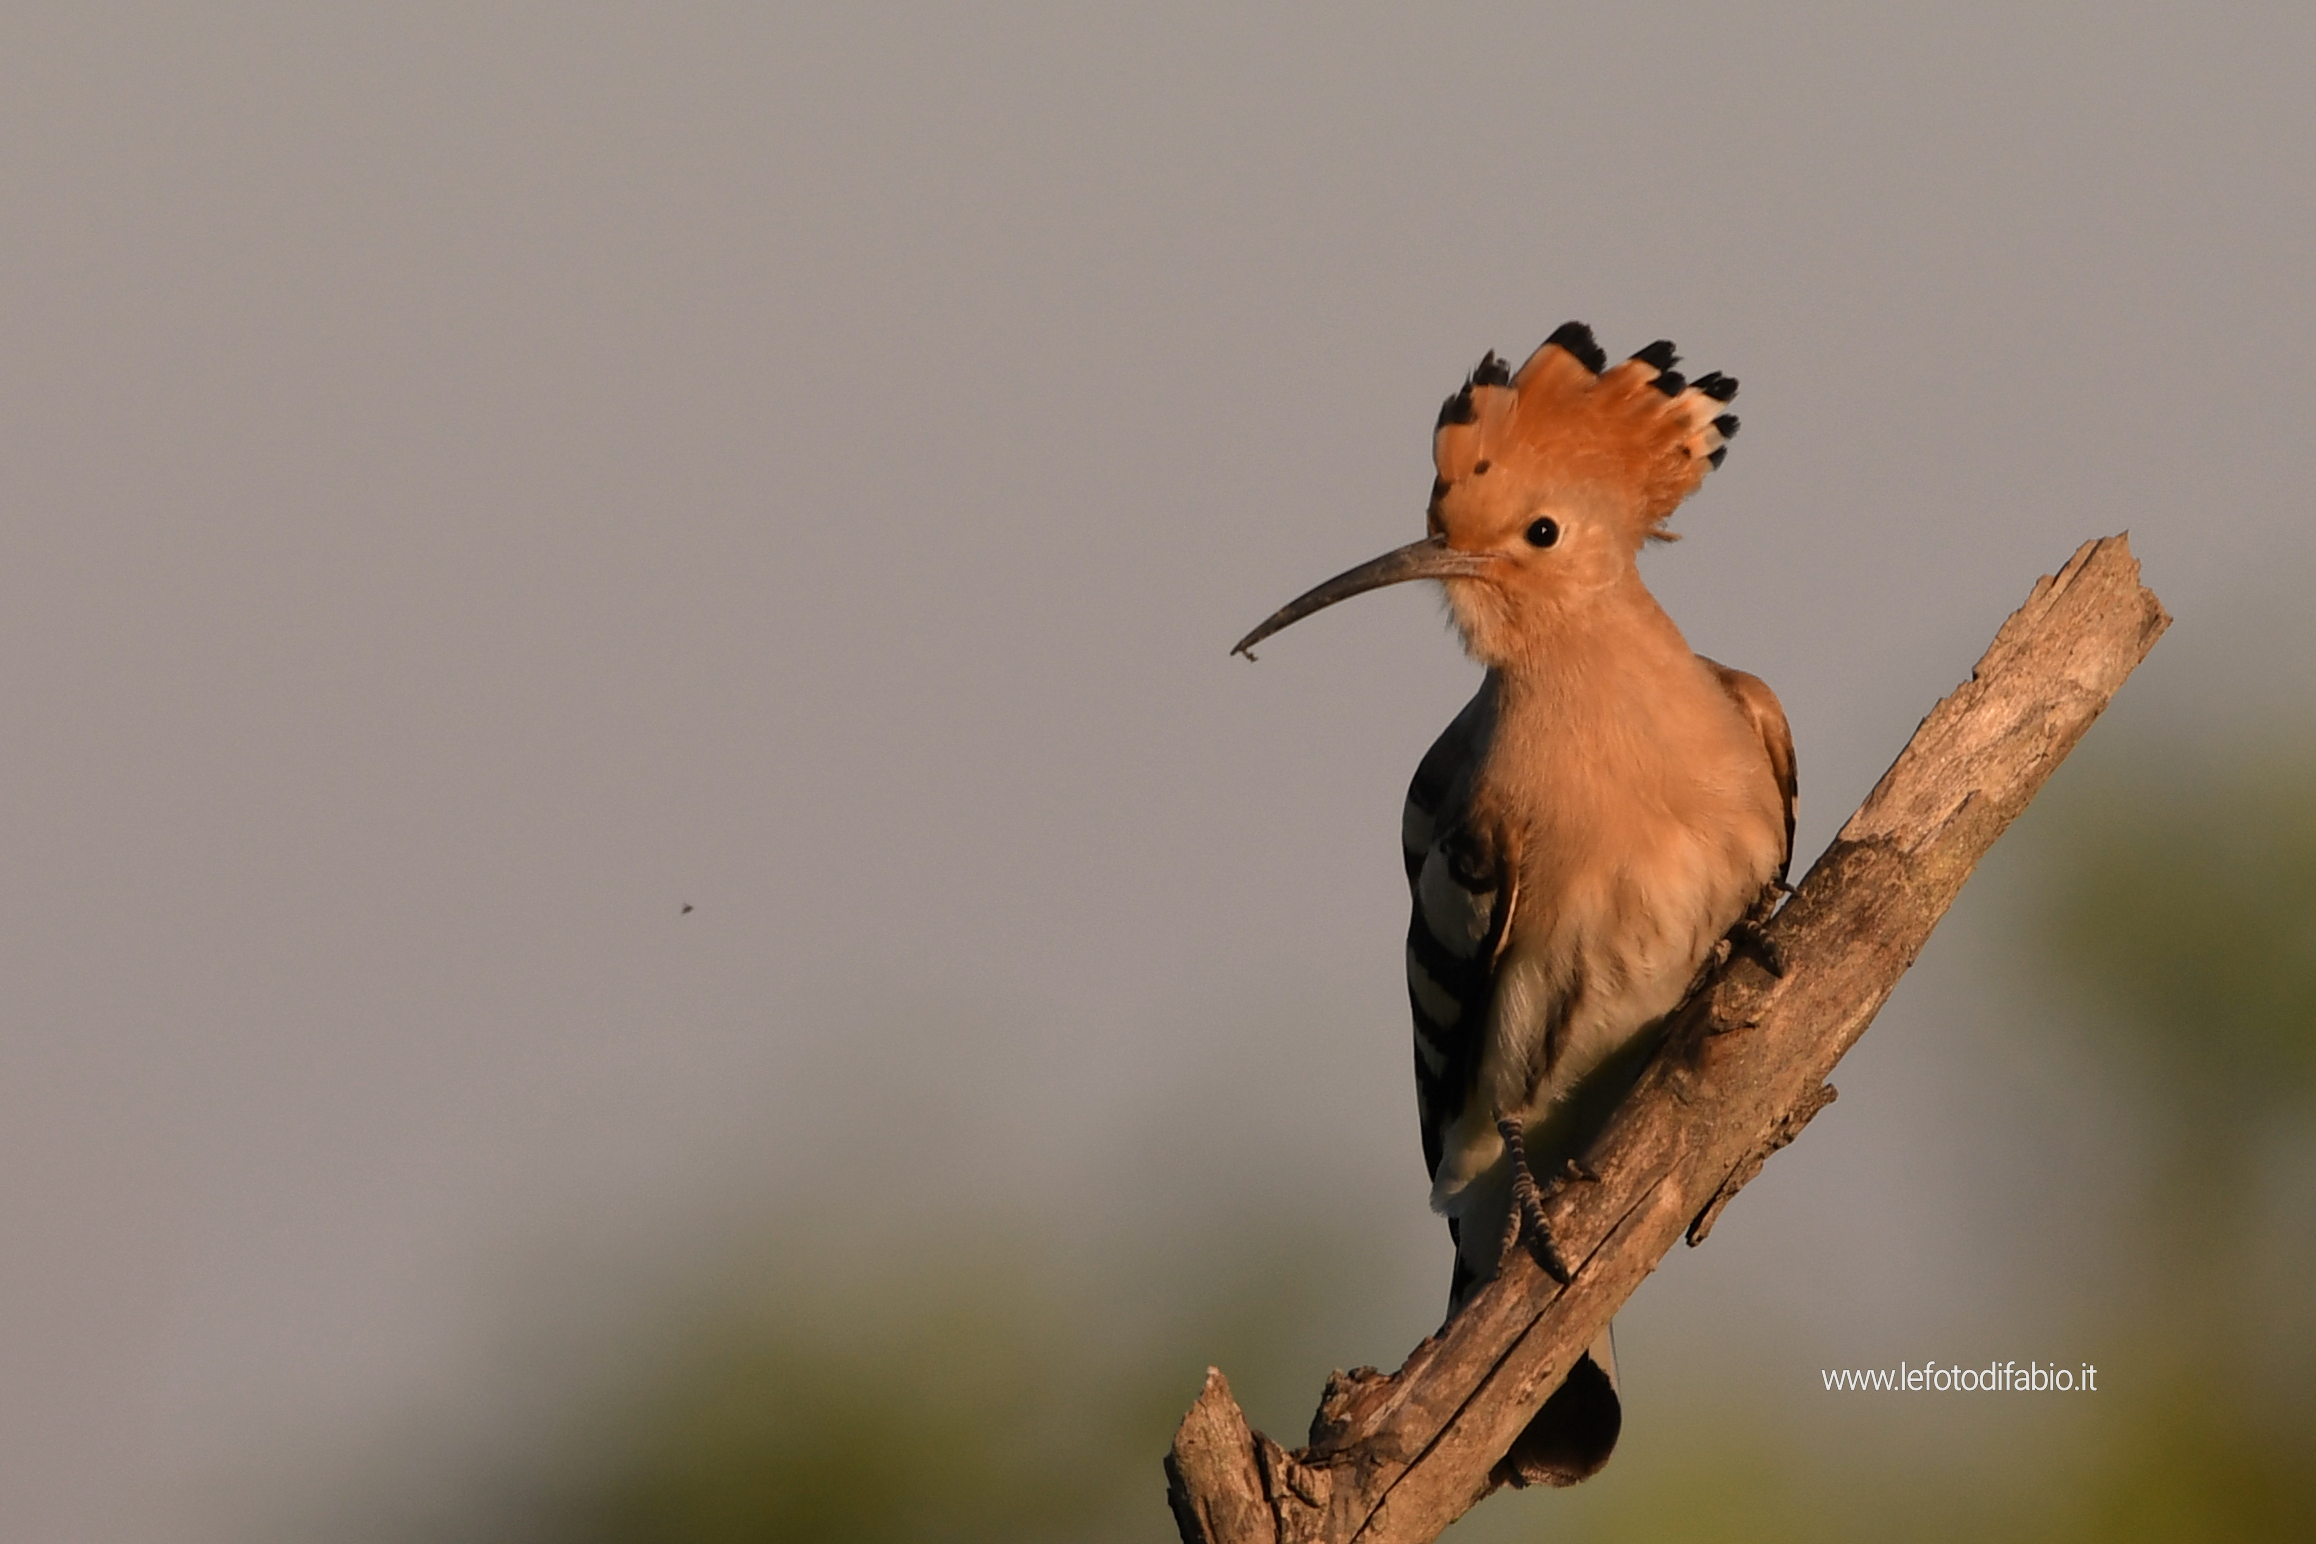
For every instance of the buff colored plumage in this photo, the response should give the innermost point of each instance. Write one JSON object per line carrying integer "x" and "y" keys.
{"x": 1604, "y": 812}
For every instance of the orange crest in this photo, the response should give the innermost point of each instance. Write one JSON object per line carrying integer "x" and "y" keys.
{"x": 1638, "y": 438}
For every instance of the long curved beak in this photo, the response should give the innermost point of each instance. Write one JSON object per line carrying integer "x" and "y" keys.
{"x": 1430, "y": 558}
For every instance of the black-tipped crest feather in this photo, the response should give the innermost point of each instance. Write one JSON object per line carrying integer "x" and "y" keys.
{"x": 1577, "y": 341}
{"x": 1721, "y": 388}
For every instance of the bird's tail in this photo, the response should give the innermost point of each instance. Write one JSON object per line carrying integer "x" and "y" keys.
{"x": 1574, "y": 1434}
{"x": 1571, "y": 1438}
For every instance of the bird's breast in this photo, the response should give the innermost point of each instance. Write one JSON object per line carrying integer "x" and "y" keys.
{"x": 1623, "y": 882}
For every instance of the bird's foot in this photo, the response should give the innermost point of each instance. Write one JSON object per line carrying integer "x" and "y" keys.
{"x": 1750, "y": 937}
{"x": 1526, "y": 1222}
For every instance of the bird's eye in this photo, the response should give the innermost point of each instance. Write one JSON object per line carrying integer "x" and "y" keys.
{"x": 1543, "y": 531}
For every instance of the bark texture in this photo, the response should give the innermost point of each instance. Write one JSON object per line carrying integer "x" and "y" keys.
{"x": 1393, "y": 1459}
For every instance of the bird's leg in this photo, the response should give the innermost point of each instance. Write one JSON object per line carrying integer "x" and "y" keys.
{"x": 1527, "y": 1209}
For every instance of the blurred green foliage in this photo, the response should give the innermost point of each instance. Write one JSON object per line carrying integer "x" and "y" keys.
{"x": 2175, "y": 907}
{"x": 971, "y": 1388}
{"x": 933, "y": 1408}
{"x": 2182, "y": 903}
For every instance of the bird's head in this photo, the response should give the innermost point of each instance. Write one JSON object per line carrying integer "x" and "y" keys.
{"x": 1549, "y": 481}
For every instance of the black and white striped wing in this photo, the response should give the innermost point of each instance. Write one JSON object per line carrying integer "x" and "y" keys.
{"x": 1462, "y": 893}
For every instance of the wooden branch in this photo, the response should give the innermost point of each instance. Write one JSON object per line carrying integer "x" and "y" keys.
{"x": 1394, "y": 1460}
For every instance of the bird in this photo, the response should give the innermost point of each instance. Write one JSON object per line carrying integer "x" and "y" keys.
{"x": 1608, "y": 815}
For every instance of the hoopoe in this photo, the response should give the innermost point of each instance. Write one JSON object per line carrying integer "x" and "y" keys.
{"x": 1596, "y": 821}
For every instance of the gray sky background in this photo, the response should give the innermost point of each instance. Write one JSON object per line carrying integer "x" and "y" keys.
{"x": 475, "y": 480}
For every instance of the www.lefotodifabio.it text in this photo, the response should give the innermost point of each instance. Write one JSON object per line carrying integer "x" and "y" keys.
{"x": 1993, "y": 1378}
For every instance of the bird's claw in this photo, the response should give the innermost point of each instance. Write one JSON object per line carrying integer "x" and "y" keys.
{"x": 1753, "y": 939}
{"x": 1526, "y": 1223}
